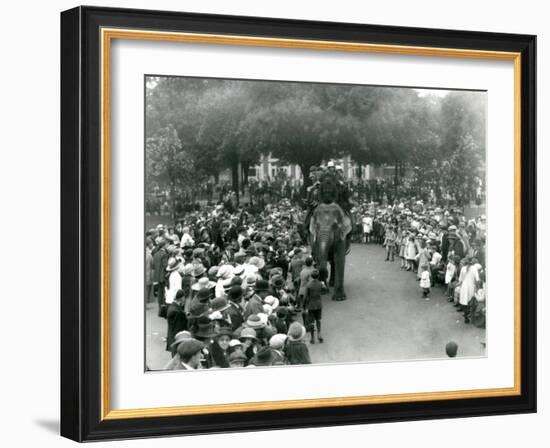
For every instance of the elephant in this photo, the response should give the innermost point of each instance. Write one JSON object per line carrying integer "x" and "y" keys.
{"x": 328, "y": 228}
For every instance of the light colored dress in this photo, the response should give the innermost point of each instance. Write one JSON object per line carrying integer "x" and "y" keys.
{"x": 450, "y": 273}
{"x": 174, "y": 285}
{"x": 367, "y": 224}
{"x": 410, "y": 250}
{"x": 423, "y": 258}
{"x": 425, "y": 281}
{"x": 469, "y": 275}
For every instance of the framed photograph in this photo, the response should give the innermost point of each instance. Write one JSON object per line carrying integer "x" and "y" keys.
{"x": 274, "y": 224}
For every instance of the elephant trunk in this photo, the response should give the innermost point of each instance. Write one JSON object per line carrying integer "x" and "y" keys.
{"x": 323, "y": 246}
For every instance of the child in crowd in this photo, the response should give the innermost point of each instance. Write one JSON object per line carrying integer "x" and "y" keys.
{"x": 389, "y": 243}
{"x": 422, "y": 257}
{"x": 425, "y": 281}
{"x": 477, "y": 305}
{"x": 410, "y": 253}
{"x": 450, "y": 278}
{"x": 402, "y": 246}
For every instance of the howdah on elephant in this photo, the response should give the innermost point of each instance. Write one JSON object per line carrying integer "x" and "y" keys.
{"x": 328, "y": 228}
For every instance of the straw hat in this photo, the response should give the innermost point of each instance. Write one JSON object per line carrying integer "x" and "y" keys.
{"x": 226, "y": 271}
{"x": 173, "y": 264}
{"x": 203, "y": 283}
{"x": 255, "y": 322}
{"x": 296, "y": 332}
{"x": 180, "y": 337}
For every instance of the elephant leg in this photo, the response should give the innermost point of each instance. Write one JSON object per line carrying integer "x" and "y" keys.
{"x": 332, "y": 271}
{"x": 339, "y": 265}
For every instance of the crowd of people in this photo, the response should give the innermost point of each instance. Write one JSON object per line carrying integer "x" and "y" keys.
{"x": 238, "y": 288}
{"x": 232, "y": 287}
{"x": 439, "y": 246}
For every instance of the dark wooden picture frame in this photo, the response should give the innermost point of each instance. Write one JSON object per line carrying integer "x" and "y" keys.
{"x": 85, "y": 415}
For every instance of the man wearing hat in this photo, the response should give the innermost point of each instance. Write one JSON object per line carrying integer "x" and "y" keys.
{"x": 263, "y": 358}
{"x": 219, "y": 308}
{"x": 454, "y": 245}
{"x": 174, "y": 363}
{"x": 296, "y": 264}
{"x": 190, "y": 353}
{"x": 160, "y": 261}
{"x": 237, "y": 359}
{"x": 235, "y": 310}
{"x": 255, "y": 304}
{"x": 174, "y": 280}
{"x": 200, "y": 306}
{"x": 204, "y": 329}
{"x": 176, "y": 319}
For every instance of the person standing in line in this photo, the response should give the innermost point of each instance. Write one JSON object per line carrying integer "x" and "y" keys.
{"x": 305, "y": 277}
{"x": 450, "y": 277}
{"x": 149, "y": 295}
{"x": 422, "y": 257}
{"x": 190, "y": 353}
{"x": 296, "y": 350}
{"x": 425, "y": 281}
{"x": 410, "y": 253}
{"x": 176, "y": 318}
{"x": 469, "y": 277}
{"x": 367, "y": 227}
{"x": 389, "y": 243}
{"x": 313, "y": 306}
{"x": 174, "y": 282}
{"x": 160, "y": 261}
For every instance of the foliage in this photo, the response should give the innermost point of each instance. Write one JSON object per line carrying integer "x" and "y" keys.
{"x": 167, "y": 162}
{"x": 215, "y": 124}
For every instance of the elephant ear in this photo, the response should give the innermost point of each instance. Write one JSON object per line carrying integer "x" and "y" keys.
{"x": 312, "y": 232}
{"x": 346, "y": 225}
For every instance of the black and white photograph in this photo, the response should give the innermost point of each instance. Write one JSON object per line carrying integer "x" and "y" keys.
{"x": 293, "y": 223}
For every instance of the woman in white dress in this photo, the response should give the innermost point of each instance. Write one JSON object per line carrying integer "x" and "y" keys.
{"x": 469, "y": 276}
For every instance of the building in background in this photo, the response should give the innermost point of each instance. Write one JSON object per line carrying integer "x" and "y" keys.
{"x": 271, "y": 168}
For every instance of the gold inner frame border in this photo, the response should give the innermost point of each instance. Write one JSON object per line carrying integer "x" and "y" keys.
{"x": 107, "y": 35}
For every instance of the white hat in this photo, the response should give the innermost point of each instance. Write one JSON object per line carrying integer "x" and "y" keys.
{"x": 277, "y": 341}
{"x": 330, "y": 164}
{"x": 225, "y": 271}
{"x": 272, "y": 301}
{"x": 234, "y": 343}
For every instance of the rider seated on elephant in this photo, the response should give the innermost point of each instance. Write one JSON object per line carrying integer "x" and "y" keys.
{"x": 329, "y": 189}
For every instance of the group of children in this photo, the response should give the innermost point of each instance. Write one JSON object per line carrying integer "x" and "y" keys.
{"x": 458, "y": 270}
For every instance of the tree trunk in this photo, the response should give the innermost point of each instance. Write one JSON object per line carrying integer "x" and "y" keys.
{"x": 173, "y": 199}
{"x": 305, "y": 174}
{"x": 245, "y": 166}
{"x": 235, "y": 178}
{"x": 396, "y": 178}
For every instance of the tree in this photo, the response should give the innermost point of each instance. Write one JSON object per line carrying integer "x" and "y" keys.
{"x": 166, "y": 162}
{"x": 302, "y": 130}
{"x": 463, "y": 142}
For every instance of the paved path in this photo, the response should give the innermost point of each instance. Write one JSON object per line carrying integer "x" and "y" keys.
{"x": 384, "y": 318}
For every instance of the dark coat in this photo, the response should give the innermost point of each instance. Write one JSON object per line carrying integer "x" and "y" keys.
{"x": 235, "y": 315}
{"x": 253, "y": 306}
{"x": 177, "y": 321}
{"x": 160, "y": 261}
{"x": 297, "y": 353}
{"x": 216, "y": 357}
